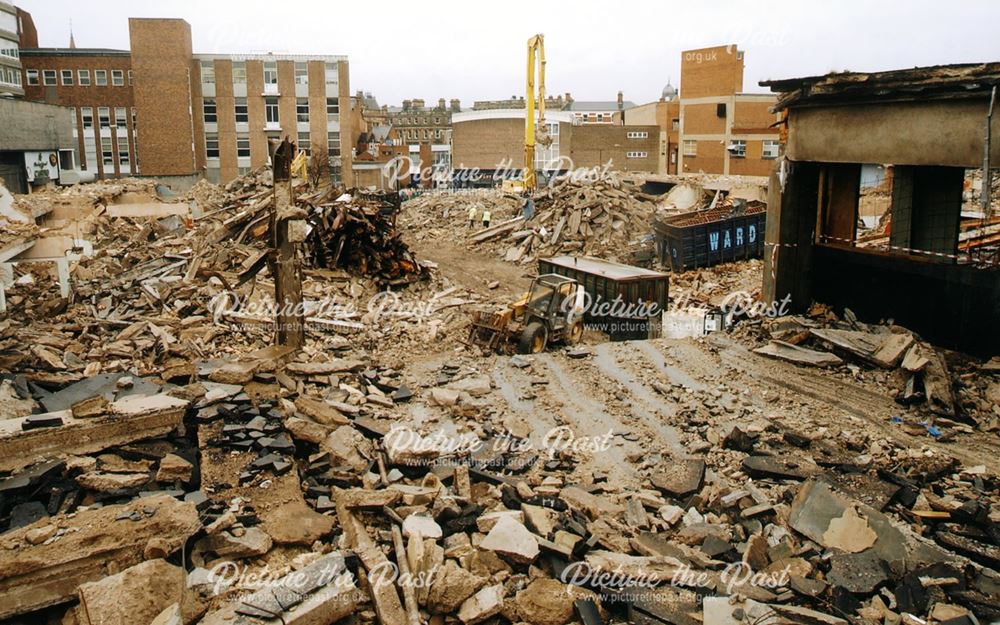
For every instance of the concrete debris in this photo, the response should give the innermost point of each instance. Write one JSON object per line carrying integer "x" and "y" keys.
{"x": 386, "y": 472}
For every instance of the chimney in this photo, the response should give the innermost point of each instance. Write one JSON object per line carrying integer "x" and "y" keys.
{"x": 441, "y": 103}
{"x": 569, "y": 98}
{"x": 418, "y": 104}
{"x": 406, "y": 105}
{"x": 621, "y": 101}
{"x": 456, "y": 105}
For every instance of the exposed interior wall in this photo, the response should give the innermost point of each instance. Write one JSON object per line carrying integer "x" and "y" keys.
{"x": 926, "y": 208}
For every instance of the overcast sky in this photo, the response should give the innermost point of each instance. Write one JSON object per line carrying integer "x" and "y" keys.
{"x": 476, "y": 50}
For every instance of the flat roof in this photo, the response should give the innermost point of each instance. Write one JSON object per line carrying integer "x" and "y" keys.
{"x": 73, "y": 52}
{"x": 471, "y": 116}
{"x": 267, "y": 56}
{"x": 960, "y": 81}
{"x": 603, "y": 268}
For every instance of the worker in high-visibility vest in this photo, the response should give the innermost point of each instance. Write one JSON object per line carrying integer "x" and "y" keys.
{"x": 486, "y": 218}
{"x": 472, "y": 216}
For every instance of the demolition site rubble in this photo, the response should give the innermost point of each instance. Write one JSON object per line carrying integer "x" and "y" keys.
{"x": 164, "y": 461}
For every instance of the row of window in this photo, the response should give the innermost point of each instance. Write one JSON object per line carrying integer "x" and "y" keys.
{"x": 10, "y": 76}
{"x": 635, "y": 154}
{"x": 243, "y": 144}
{"x": 637, "y": 134}
{"x": 420, "y": 135}
{"x": 104, "y": 117}
{"x": 271, "y": 114}
{"x": 270, "y": 73}
{"x": 737, "y": 148}
{"x": 416, "y": 121}
{"x": 66, "y": 77}
{"x": 11, "y": 53}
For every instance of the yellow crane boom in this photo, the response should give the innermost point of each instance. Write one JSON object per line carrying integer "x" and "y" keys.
{"x": 536, "y": 54}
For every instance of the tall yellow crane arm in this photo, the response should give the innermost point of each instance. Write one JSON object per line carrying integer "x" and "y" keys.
{"x": 536, "y": 55}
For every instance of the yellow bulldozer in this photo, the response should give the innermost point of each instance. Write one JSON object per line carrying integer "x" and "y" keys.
{"x": 550, "y": 312}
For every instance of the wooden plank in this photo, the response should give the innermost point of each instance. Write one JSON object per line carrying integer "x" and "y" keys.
{"x": 798, "y": 355}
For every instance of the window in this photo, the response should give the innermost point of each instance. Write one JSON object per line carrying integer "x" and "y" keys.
{"x": 83, "y": 77}
{"x": 675, "y": 124}
{"x": 212, "y": 145}
{"x": 332, "y": 110}
{"x": 67, "y": 77}
{"x": 49, "y": 77}
{"x": 242, "y": 113}
{"x": 690, "y": 147}
{"x": 302, "y": 110}
{"x": 123, "y": 152}
{"x": 738, "y": 148}
{"x": 208, "y": 72}
{"x": 117, "y": 78}
{"x": 331, "y": 73}
{"x": 301, "y": 73}
{"x": 104, "y": 116}
{"x": 211, "y": 115}
{"x": 134, "y": 124}
{"x": 242, "y": 144}
{"x": 108, "y": 154}
{"x": 270, "y": 73}
{"x": 32, "y": 76}
{"x": 637, "y": 134}
{"x": 271, "y": 110}
{"x": 87, "y": 114}
{"x": 101, "y": 77}
{"x": 333, "y": 144}
{"x": 239, "y": 73}
{"x": 90, "y": 149}
{"x": 303, "y": 142}
{"x": 129, "y": 78}
{"x": 636, "y": 154}
{"x": 770, "y": 149}
{"x": 120, "y": 121}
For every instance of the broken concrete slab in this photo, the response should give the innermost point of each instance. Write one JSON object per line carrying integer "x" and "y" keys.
{"x": 34, "y": 577}
{"x": 133, "y": 418}
{"x": 884, "y": 350}
{"x": 173, "y": 468}
{"x": 511, "y": 539}
{"x": 452, "y": 585}
{"x": 136, "y": 595}
{"x": 482, "y": 605}
{"x": 683, "y": 477}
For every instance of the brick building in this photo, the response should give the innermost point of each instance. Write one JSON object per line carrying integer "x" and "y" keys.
{"x": 493, "y": 139}
{"x": 417, "y": 123}
{"x": 200, "y": 115}
{"x": 723, "y": 130}
{"x": 10, "y": 45}
{"x": 665, "y": 115}
{"x": 98, "y": 85}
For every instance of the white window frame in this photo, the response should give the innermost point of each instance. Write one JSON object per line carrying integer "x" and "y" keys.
{"x": 332, "y": 117}
{"x": 210, "y": 103}
{"x": 117, "y": 78}
{"x": 272, "y": 113}
{"x": 689, "y": 147}
{"x": 239, "y": 73}
{"x": 637, "y": 134}
{"x": 85, "y": 113}
{"x": 300, "y": 117}
{"x": 301, "y": 73}
{"x": 211, "y": 145}
{"x": 242, "y": 138}
{"x": 33, "y": 77}
{"x": 302, "y": 142}
{"x": 46, "y": 75}
{"x": 237, "y": 105}
{"x": 100, "y": 78}
{"x": 741, "y": 151}
{"x": 121, "y": 117}
{"x": 63, "y": 74}
{"x": 270, "y": 73}
{"x": 636, "y": 154}
{"x": 770, "y": 143}
{"x": 103, "y": 113}
{"x": 83, "y": 77}
{"x": 208, "y": 72}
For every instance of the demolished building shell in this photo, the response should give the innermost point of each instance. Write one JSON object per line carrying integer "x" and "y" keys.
{"x": 930, "y": 125}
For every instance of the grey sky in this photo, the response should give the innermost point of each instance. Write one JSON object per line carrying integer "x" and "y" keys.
{"x": 468, "y": 50}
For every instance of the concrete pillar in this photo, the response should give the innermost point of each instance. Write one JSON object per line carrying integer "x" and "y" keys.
{"x": 62, "y": 268}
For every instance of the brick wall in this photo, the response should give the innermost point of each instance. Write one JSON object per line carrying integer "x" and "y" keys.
{"x": 711, "y": 71}
{"x": 484, "y": 143}
{"x": 161, "y": 60}
{"x": 594, "y": 145}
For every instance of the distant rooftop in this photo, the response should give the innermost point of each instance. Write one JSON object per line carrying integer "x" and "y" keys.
{"x": 597, "y": 106}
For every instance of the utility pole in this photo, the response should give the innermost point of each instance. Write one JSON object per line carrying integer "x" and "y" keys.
{"x": 288, "y": 227}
